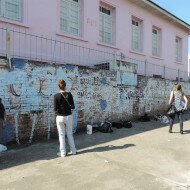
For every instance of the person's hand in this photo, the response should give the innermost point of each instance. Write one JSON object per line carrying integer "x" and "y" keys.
{"x": 184, "y": 109}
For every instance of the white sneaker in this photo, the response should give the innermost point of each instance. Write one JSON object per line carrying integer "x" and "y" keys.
{"x": 74, "y": 152}
{"x": 61, "y": 155}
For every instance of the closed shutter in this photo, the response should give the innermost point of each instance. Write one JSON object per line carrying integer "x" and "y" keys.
{"x": 136, "y": 36}
{"x": 1, "y": 8}
{"x": 12, "y": 9}
{"x": 155, "y": 42}
{"x": 70, "y": 17}
{"x": 105, "y": 25}
{"x": 178, "y": 49}
{"x": 74, "y": 16}
{"x": 64, "y": 15}
{"x": 101, "y": 27}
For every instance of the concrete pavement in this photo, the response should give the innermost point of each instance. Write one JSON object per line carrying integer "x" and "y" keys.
{"x": 145, "y": 157}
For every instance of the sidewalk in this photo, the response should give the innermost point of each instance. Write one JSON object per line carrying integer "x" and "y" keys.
{"x": 145, "y": 157}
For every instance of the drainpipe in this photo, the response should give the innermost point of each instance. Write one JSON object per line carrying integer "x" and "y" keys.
{"x": 8, "y": 47}
{"x": 164, "y": 71}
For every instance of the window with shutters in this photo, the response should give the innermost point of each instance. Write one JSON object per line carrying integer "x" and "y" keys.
{"x": 178, "y": 44}
{"x": 106, "y": 24}
{"x": 156, "y": 42}
{"x": 70, "y": 17}
{"x": 11, "y": 9}
{"x": 136, "y": 35}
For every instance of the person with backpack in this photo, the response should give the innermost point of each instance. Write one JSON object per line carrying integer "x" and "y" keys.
{"x": 179, "y": 100}
{"x": 63, "y": 106}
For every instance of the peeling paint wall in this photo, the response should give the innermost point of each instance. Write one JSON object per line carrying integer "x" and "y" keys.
{"x": 27, "y": 93}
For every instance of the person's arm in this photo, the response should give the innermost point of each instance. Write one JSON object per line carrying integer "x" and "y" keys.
{"x": 4, "y": 112}
{"x": 171, "y": 98}
{"x": 55, "y": 105}
{"x": 186, "y": 101}
{"x": 5, "y": 116}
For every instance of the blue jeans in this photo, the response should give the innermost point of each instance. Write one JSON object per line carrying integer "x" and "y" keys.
{"x": 180, "y": 118}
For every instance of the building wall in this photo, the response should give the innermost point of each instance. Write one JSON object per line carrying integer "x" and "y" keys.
{"x": 48, "y": 22}
{"x": 27, "y": 92}
{"x": 188, "y": 63}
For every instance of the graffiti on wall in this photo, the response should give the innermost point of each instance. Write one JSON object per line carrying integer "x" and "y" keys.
{"x": 30, "y": 90}
{"x": 129, "y": 94}
{"x": 94, "y": 81}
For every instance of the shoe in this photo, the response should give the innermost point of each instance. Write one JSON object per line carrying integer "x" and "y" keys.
{"x": 61, "y": 155}
{"x": 74, "y": 152}
{"x": 170, "y": 131}
{"x": 181, "y": 131}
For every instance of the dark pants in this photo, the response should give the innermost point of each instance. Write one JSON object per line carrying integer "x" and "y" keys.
{"x": 1, "y": 131}
{"x": 180, "y": 118}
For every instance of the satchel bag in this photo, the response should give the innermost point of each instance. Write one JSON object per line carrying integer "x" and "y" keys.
{"x": 117, "y": 125}
{"x": 127, "y": 124}
{"x": 171, "y": 111}
{"x": 71, "y": 106}
{"x": 105, "y": 127}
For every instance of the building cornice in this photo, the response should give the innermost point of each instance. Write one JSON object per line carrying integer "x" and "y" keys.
{"x": 156, "y": 9}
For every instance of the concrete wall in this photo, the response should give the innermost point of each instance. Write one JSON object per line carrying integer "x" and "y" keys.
{"x": 27, "y": 93}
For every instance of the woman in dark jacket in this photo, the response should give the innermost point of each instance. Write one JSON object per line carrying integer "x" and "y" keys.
{"x": 63, "y": 105}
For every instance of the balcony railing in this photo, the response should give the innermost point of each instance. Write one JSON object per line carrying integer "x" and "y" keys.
{"x": 19, "y": 44}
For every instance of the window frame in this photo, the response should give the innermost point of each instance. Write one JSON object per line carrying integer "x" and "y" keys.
{"x": 102, "y": 15}
{"x": 134, "y": 21}
{"x": 158, "y": 41}
{"x": 69, "y": 20}
{"x": 4, "y": 12}
{"x": 178, "y": 49}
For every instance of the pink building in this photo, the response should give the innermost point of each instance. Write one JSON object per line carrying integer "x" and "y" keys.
{"x": 96, "y": 33}
{"x": 188, "y": 63}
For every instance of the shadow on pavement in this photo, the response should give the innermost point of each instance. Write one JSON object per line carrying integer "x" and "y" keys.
{"x": 185, "y": 132}
{"x": 106, "y": 148}
{"x": 48, "y": 150}
{"x": 40, "y": 151}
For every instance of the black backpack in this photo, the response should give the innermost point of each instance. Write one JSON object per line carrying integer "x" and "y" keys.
{"x": 105, "y": 127}
{"x": 127, "y": 124}
{"x": 117, "y": 125}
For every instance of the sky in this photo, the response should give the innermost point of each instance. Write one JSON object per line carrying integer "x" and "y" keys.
{"x": 179, "y": 8}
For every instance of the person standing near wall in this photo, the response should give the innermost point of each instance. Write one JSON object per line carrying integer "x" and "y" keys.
{"x": 180, "y": 101}
{"x": 2, "y": 120}
{"x": 63, "y": 105}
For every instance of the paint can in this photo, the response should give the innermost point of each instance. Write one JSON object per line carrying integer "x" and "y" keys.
{"x": 89, "y": 129}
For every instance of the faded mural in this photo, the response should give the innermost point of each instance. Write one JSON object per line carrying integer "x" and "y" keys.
{"x": 28, "y": 89}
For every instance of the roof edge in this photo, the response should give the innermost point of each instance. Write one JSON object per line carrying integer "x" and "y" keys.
{"x": 167, "y": 13}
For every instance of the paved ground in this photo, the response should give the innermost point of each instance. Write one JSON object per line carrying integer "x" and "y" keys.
{"x": 145, "y": 157}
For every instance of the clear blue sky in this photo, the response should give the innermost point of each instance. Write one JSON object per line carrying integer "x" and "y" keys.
{"x": 179, "y": 8}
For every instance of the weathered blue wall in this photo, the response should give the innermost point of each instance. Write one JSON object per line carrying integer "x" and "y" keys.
{"x": 27, "y": 92}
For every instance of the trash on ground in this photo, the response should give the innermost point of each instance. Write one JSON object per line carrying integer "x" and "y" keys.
{"x": 144, "y": 118}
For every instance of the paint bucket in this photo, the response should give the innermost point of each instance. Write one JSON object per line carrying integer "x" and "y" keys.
{"x": 89, "y": 129}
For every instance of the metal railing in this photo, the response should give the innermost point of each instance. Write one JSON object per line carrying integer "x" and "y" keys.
{"x": 147, "y": 68}
{"x": 39, "y": 48}
{"x": 20, "y": 44}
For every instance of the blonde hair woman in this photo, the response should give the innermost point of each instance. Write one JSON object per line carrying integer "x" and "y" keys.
{"x": 180, "y": 101}
{"x": 63, "y": 105}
